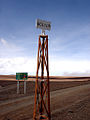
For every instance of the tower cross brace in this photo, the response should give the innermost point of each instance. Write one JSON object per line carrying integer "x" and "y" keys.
{"x": 42, "y": 87}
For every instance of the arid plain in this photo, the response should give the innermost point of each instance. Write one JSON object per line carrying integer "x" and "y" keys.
{"x": 70, "y": 98}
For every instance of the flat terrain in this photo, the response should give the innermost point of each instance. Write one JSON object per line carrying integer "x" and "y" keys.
{"x": 70, "y": 99}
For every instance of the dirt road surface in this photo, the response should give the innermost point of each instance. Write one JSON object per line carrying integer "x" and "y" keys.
{"x": 66, "y": 104}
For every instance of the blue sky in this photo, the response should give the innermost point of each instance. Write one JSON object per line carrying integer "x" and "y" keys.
{"x": 69, "y": 38}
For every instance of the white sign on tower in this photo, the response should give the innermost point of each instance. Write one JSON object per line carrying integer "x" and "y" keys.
{"x": 44, "y": 25}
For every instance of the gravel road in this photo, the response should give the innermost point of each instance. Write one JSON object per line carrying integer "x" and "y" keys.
{"x": 66, "y": 104}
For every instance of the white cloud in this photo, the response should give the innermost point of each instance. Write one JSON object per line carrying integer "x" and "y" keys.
{"x": 56, "y": 66}
{"x": 9, "y": 49}
{"x": 84, "y": 74}
{"x": 4, "y": 42}
{"x": 7, "y": 44}
{"x": 60, "y": 67}
{"x": 18, "y": 64}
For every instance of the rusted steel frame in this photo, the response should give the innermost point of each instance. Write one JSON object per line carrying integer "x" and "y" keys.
{"x": 39, "y": 101}
{"x": 46, "y": 118}
{"x": 39, "y": 44}
{"x": 45, "y": 44}
{"x": 45, "y": 93}
{"x": 42, "y": 101}
{"x": 42, "y": 95}
{"x": 44, "y": 61}
{"x": 36, "y": 84}
{"x": 43, "y": 52}
{"x": 44, "y": 104}
{"x": 45, "y": 90}
{"x": 42, "y": 74}
{"x": 48, "y": 82}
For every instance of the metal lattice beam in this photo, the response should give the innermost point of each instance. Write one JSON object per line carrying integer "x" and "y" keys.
{"x": 42, "y": 89}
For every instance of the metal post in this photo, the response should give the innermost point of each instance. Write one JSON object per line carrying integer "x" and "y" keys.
{"x": 17, "y": 86}
{"x": 42, "y": 88}
{"x": 24, "y": 86}
{"x": 42, "y": 74}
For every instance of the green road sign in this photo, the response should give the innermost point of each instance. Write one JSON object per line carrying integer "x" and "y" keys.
{"x": 21, "y": 76}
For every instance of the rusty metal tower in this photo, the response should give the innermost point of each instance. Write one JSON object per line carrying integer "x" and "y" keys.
{"x": 42, "y": 88}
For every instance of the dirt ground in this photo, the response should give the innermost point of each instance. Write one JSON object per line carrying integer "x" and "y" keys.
{"x": 70, "y": 99}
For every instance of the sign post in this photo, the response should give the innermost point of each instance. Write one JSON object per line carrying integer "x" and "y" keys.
{"x": 17, "y": 86}
{"x": 24, "y": 84}
{"x": 42, "y": 87}
{"x": 21, "y": 76}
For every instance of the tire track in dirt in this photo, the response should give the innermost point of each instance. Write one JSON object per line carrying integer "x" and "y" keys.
{"x": 60, "y": 100}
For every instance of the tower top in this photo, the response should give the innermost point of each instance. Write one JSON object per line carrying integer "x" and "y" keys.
{"x": 43, "y": 25}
